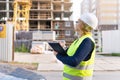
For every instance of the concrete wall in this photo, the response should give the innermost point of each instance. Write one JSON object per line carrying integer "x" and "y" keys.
{"x": 35, "y": 35}
{"x": 111, "y": 41}
{"x": 44, "y": 35}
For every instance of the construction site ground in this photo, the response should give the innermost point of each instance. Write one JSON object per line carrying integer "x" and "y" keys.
{"x": 48, "y": 66}
{"x": 48, "y": 61}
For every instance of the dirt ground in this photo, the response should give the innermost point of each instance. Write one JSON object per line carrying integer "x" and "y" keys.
{"x": 30, "y": 66}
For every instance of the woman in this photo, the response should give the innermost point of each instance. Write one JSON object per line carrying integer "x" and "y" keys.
{"x": 78, "y": 62}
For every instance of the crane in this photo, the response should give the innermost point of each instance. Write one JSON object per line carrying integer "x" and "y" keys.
{"x": 21, "y": 14}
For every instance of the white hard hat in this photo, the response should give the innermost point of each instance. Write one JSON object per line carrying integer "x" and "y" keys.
{"x": 89, "y": 19}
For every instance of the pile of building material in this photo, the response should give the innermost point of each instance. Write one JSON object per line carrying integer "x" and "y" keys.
{"x": 37, "y": 41}
{"x": 34, "y": 41}
{"x": 43, "y": 35}
{"x": 37, "y": 47}
{"x": 40, "y": 39}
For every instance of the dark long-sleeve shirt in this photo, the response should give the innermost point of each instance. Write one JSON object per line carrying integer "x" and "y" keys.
{"x": 83, "y": 53}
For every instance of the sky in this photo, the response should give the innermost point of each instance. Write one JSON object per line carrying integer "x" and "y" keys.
{"x": 76, "y": 9}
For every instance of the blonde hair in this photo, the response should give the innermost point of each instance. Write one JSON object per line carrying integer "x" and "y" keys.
{"x": 86, "y": 28}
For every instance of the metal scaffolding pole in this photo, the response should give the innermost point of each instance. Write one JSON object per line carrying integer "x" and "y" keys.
{"x": 7, "y": 9}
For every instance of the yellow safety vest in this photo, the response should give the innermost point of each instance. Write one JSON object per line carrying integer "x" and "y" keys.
{"x": 84, "y": 70}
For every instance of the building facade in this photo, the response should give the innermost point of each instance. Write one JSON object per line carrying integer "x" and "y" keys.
{"x": 6, "y": 9}
{"x": 108, "y": 14}
{"x": 50, "y": 15}
{"x": 106, "y": 11}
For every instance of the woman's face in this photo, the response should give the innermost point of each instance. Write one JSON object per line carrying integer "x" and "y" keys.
{"x": 79, "y": 26}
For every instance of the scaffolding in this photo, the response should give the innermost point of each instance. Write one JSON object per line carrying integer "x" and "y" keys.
{"x": 45, "y": 5}
{"x": 21, "y": 14}
{"x": 51, "y": 15}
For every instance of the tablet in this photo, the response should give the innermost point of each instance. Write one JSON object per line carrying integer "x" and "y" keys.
{"x": 57, "y": 47}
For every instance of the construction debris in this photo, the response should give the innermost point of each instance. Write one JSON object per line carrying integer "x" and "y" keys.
{"x": 36, "y": 49}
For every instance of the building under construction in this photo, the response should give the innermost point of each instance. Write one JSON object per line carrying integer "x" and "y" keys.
{"x": 50, "y": 15}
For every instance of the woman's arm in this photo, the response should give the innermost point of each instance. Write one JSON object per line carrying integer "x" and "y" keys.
{"x": 81, "y": 54}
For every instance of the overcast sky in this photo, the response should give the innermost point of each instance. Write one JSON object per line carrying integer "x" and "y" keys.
{"x": 76, "y": 9}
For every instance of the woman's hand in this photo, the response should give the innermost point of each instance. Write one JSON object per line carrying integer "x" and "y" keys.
{"x": 55, "y": 53}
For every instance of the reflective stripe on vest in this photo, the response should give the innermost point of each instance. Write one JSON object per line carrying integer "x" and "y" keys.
{"x": 84, "y": 70}
{"x": 69, "y": 77}
{"x": 79, "y": 67}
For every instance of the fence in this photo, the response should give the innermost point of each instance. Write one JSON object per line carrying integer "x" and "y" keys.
{"x": 6, "y": 42}
{"x": 111, "y": 41}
